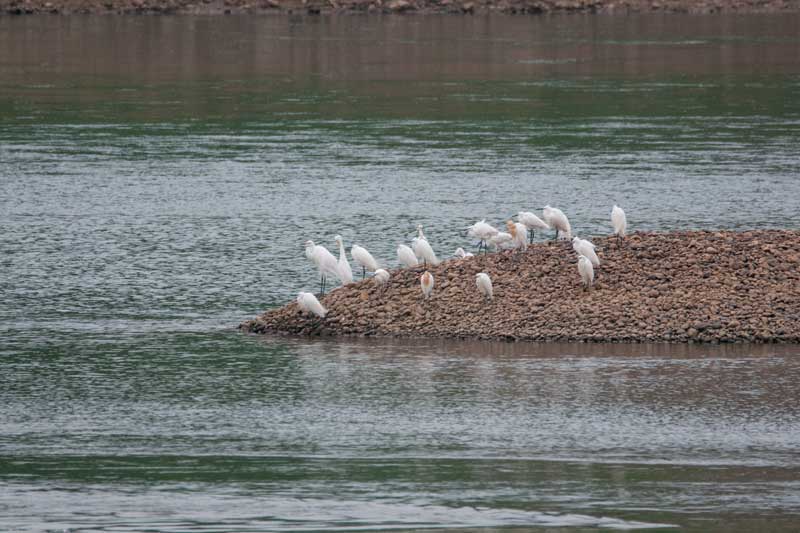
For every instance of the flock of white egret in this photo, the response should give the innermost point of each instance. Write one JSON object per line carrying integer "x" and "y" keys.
{"x": 518, "y": 236}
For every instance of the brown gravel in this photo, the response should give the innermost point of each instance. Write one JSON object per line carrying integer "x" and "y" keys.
{"x": 393, "y": 6}
{"x": 653, "y": 287}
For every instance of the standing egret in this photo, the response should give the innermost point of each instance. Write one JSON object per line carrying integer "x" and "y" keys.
{"x": 619, "y": 221}
{"x": 532, "y": 222}
{"x": 519, "y": 234}
{"x": 500, "y": 239}
{"x": 422, "y": 249}
{"x": 586, "y": 270}
{"x": 343, "y": 267}
{"x": 557, "y": 220}
{"x": 364, "y": 258}
{"x": 585, "y": 248}
{"x": 426, "y": 282}
{"x": 406, "y": 256}
{"x": 461, "y": 254}
{"x": 323, "y": 260}
{"x": 483, "y": 232}
{"x": 484, "y": 283}
{"x": 381, "y": 277}
{"x": 308, "y": 303}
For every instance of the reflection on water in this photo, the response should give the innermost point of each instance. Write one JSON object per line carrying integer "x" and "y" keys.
{"x": 158, "y": 176}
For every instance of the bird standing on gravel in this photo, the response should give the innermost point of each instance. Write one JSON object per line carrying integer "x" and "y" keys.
{"x": 343, "y": 266}
{"x": 308, "y": 303}
{"x": 586, "y": 270}
{"x": 519, "y": 234}
{"x": 381, "y": 276}
{"x": 323, "y": 260}
{"x": 483, "y": 232}
{"x": 406, "y": 256}
{"x": 484, "y": 283}
{"x": 532, "y": 222}
{"x": 461, "y": 254}
{"x": 364, "y": 258}
{"x": 426, "y": 282}
{"x": 557, "y": 220}
{"x": 585, "y": 248}
{"x": 619, "y": 221}
{"x": 422, "y": 248}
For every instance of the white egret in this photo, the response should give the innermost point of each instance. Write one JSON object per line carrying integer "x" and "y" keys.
{"x": 585, "y": 248}
{"x": 519, "y": 234}
{"x": 619, "y": 221}
{"x": 586, "y": 270}
{"x": 532, "y": 222}
{"x": 308, "y": 303}
{"x": 323, "y": 260}
{"x": 422, "y": 249}
{"x": 381, "y": 277}
{"x": 461, "y": 254}
{"x": 406, "y": 256}
{"x": 557, "y": 220}
{"x": 483, "y": 232}
{"x": 501, "y": 239}
{"x": 364, "y": 258}
{"x": 484, "y": 283}
{"x": 343, "y": 266}
{"x": 426, "y": 282}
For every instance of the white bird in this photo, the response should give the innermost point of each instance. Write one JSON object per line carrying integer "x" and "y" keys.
{"x": 519, "y": 234}
{"x": 585, "y": 248}
{"x": 422, "y": 249}
{"x": 483, "y": 232}
{"x": 323, "y": 260}
{"x": 461, "y": 254}
{"x": 557, "y": 220}
{"x": 381, "y": 276}
{"x": 484, "y": 283}
{"x": 343, "y": 266}
{"x": 501, "y": 239}
{"x": 364, "y": 258}
{"x": 406, "y": 256}
{"x": 532, "y": 222}
{"x": 308, "y": 303}
{"x": 586, "y": 270}
{"x": 619, "y": 221}
{"x": 426, "y": 281}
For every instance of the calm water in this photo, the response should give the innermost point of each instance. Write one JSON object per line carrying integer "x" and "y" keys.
{"x": 158, "y": 177}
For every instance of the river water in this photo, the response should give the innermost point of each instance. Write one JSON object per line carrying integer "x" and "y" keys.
{"x": 159, "y": 176}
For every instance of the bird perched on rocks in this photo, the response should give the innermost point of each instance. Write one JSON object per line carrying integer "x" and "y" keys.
{"x": 619, "y": 221}
{"x": 585, "y": 248}
{"x": 309, "y": 304}
{"x": 426, "y": 281}
{"x": 557, "y": 220}
{"x": 422, "y": 248}
{"x": 484, "y": 283}
{"x": 343, "y": 266}
{"x": 519, "y": 234}
{"x": 483, "y": 232}
{"x": 532, "y": 222}
{"x": 461, "y": 254}
{"x": 586, "y": 270}
{"x": 501, "y": 239}
{"x": 364, "y": 258}
{"x": 406, "y": 256}
{"x": 381, "y": 277}
{"x": 324, "y": 261}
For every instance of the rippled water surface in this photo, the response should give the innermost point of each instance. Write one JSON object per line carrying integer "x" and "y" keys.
{"x": 159, "y": 175}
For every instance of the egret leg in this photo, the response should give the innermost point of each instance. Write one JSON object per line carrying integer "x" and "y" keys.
{"x": 530, "y": 237}
{"x": 363, "y": 272}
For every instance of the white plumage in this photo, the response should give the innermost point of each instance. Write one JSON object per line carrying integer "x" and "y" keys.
{"x": 586, "y": 248}
{"x": 619, "y": 221}
{"x": 406, "y": 256}
{"x": 557, "y": 220}
{"x": 532, "y": 222}
{"x": 324, "y": 261}
{"x": 381, "y": 276}
{"x": 364, "y": 258}
{"x": 586, "y": 270}
{"x": 519, "y": 234}
{"x": 343, "y": 266}
{"x": 422, "y": 249}
{"x": 484, "y": 283}
{"x": 461, "y": 254}
{"x": 501, "y": 239}
{"x": 308, "y": 303}
{"x": 482, "y": 231}
{"x": 426, "y": 282}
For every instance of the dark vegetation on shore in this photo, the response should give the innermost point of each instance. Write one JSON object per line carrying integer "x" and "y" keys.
{"x": 713, "y": 287}
{"x": 212, "y": 7}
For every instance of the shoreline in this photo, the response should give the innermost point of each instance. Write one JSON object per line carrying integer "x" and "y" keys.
{"x": 678, "y": 287}
{"x": 329, "y": 7}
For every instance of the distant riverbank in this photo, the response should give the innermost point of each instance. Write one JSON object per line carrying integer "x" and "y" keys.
{"x": 653, "y": 287}
{"x": 216, "y": 7}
